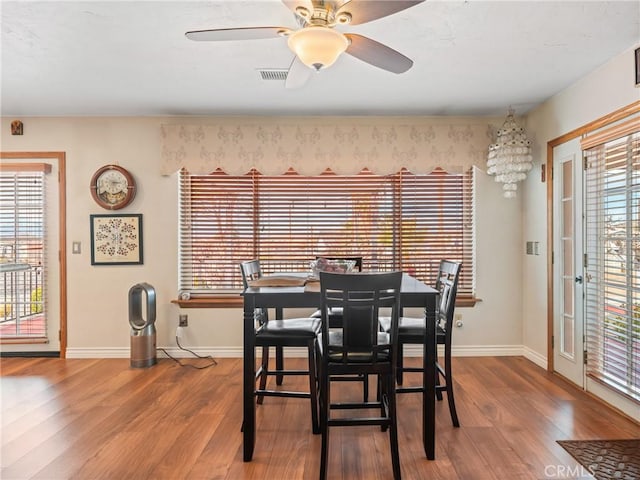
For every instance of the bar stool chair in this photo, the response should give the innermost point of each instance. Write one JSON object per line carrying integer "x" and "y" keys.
{"x": 335, "y": 321}
{"x": 359, "y": 348}
{"x": 291, "y": 332}
{"x": 413, "y": 331}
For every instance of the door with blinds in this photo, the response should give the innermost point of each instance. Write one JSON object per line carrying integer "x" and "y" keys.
{"x": 568, "y": 334}
{"x": 612, "y": 244}
{"x": 31, "y": 300}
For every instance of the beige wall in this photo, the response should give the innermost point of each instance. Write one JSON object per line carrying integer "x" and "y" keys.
{"x": 97, "y": 295}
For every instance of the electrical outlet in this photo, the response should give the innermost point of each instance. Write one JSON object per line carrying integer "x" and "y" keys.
{"x": 183, "y": 320}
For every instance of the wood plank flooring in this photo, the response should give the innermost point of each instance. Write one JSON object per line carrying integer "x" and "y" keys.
{"x": 100, "y": 419}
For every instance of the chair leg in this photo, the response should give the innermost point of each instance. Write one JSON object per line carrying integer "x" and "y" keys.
{"x": 400, "y": 363}
{"x": 279, "y": 364}
{"x": 393, "y": 428}
{"x": 324, "y": 423}
{"x": 365, "y": 388}
{"x": 313, "y": 382}
{"x": 449, "y": 380}
{"x": 265, "y": 373}
{"x": 383, "y": 391}
{"x": 438, "y": 391}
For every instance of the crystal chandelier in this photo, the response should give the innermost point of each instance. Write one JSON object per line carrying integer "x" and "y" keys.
{"x": 509, "y": 158}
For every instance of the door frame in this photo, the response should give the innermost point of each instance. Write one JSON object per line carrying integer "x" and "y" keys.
{"x": 62, "y": 231}
{"x": 578, "y": 132}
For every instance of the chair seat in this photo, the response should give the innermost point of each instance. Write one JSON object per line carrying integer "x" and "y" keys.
{"x": 292, "y": 327}
{"x": 333, "y": 312}
{"x": 365, "y": 356}
{"x": 409, "y": 326}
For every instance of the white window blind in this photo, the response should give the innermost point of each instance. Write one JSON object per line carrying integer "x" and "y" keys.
{"x": 22, "y": 252}
{"x": 400, "y": 221}
{"x": 612, "y": 237}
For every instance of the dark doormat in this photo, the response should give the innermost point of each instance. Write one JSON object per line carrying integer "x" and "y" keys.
{"x": 607, "y": 459}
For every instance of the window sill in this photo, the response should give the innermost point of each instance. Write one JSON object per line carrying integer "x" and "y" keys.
{"x": 219, "y": 301}
{"x": 463, "y": 302}
{"x": 235, "y": 301}
{"x": 23, "y": 340}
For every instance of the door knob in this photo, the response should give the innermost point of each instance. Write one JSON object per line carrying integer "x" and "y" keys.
{"x": 579, "y": 279}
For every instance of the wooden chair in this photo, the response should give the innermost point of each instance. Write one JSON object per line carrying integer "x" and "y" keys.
{"x": 291, "y": 332}
{"x": 413, "y": 331}
{"x": 359, "y": 348}
{"x": 335, "y": 321}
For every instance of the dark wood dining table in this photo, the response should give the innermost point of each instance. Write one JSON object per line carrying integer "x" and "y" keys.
{"x": 414, "y": 293}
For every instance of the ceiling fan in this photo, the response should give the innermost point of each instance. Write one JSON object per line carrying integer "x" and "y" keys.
{"x": 317, "y": 44}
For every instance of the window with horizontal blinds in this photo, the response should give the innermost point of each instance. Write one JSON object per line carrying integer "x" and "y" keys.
{"x": 22, "y": 253}
{"x": 401, "y": 221}
{"x": 612, "y": 240}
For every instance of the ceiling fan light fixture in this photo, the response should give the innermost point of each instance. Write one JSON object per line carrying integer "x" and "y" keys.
{"x": 318, "y": 46}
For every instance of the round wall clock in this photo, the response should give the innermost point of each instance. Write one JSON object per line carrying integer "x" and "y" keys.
{"x": 112, "y": 187}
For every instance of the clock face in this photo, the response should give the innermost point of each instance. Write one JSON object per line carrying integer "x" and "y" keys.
{"x": 112, "y": 187}
{"x": 112, "y": 182}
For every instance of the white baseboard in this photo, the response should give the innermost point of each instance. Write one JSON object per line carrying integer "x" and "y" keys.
{"x": 97, "y": 353}
{"x": 236, "y": 352}
{"x": 216, "y": 352}
{"x": 535, "y": 357}
{"x": 470, "y": 350}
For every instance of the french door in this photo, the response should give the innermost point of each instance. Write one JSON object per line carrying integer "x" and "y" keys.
{"x": 568, "y": 257}
{"x": 33, "y": 255}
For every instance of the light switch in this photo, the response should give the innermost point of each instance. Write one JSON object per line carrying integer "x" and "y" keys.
{"x": 76, "y": 248}
{"x": 530, "y": 248}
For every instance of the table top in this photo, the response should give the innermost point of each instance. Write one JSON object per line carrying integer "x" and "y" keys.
{"x": 409, "y": 285}
{"x": 412, "y": 293}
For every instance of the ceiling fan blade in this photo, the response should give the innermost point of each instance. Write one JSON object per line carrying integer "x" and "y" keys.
{"x": 246, "y": 33}
{"x": 363, "y": 11}
{"x": 377, "y": 54}
{"x": 298, "y": 74}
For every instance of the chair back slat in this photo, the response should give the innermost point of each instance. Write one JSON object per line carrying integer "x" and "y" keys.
{"x": 447, "y": 285}
{"x": 251, "y": 270}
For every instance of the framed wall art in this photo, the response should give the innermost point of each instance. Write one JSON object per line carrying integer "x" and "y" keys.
{"x": 116, "y": 239}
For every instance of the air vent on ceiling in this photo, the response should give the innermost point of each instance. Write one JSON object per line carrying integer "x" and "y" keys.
{"x": 273, "y": 73}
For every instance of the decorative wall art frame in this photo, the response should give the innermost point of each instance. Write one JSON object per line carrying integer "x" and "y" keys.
{"x": 116, "y": 239}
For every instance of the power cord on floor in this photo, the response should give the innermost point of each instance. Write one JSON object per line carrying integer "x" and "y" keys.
{"x": 199, "y": 367}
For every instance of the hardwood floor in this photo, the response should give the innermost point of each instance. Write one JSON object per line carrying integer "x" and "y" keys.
{"x": 100, "y": 419}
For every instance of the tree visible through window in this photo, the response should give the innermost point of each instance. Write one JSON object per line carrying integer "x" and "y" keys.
{"x": 402, "y": 221}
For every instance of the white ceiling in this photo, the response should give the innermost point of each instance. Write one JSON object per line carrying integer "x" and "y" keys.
{"x": 131, "y": 58}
